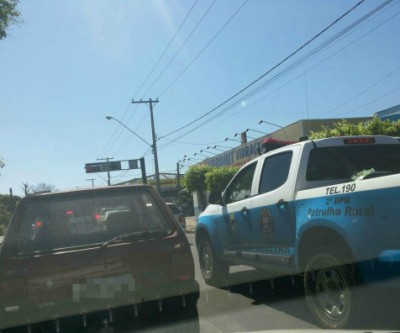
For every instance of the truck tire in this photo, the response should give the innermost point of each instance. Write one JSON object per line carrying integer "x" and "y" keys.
{"x": 328, "y": 289}
{"x": 214, "y": 271}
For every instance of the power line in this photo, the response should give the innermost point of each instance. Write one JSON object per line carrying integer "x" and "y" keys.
{"x": 318, "y": 49}
{"x": 203, "y": 49}
{"x": 269, "y": 71}
{"x": 182, "y": 46}
{"x": 283, "y": 72}
{"x": 325, "y": 59}
{"x": 166, "y": 48}
{"x": 362, "y": 91}
{"x": 109, "y": 145}
{"x": 372, "y": 101}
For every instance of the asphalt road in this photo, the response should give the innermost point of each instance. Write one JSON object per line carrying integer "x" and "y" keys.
{"x": 254, "y": 303}
{"x": 251, "y": 303}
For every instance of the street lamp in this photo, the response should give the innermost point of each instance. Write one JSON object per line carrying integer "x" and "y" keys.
{"x": 226, "y": 139}
{"x": 152, "y": 146}
{"x": 195, "y": 154}
{"x": 215, "y": 147}
{"x": 267, "y": 122}
{"x": 194, "y": 159}
{"x": 253, "y": 130}
{"x": 209, "y": 152}
{"x": 247, "y": 136}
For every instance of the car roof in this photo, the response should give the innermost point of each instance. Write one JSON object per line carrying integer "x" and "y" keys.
{"x": 88, "y": 191}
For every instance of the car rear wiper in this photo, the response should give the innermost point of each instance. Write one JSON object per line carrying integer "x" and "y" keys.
{"x": 145, "y": 234}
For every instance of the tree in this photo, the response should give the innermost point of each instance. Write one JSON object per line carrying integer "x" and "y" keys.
{"x": 7, "y": 205}
{"x": 375, "y": 126}
{"x": 195, "y": 178}
{"x": 195, "y": 181}
{"x": 39, "y": 188}
{"x": 218, "y": 178}
{"x": 8, "y": 15}
{"x": 2, "y": 164}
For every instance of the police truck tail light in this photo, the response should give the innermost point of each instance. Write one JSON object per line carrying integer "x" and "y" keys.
{"x": 358, "y": 141}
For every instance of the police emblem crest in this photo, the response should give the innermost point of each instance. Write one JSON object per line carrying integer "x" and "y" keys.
{"x": 266, "y": 222}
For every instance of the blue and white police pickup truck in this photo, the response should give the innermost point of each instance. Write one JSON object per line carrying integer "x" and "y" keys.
{"x": 327, "y": 210}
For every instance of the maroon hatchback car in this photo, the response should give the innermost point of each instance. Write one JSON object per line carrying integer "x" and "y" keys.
{"x": 78, "y": 252}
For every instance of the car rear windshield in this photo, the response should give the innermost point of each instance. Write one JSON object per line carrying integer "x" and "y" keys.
{"x": 346, "y": 162}
{"x": 58, "y": 222}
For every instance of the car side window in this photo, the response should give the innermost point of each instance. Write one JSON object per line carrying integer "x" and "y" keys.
{"x": 275, "y": 172}
{"x": 240, "y": 187}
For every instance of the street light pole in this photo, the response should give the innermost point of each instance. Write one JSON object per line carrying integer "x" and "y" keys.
{"x": 123, "y": 125}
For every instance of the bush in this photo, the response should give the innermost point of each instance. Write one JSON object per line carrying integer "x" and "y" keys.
{"x": 218, "y": 178}
{"x": 376, "y": 126}
{"x": 195, "y": 178}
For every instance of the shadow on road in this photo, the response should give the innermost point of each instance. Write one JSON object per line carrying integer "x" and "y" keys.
{"x": 123, "y": 321}
{"x": 377, "y": 307}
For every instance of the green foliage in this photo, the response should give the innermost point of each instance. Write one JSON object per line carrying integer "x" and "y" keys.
{"x": 375, "y": 126}
{"x": 7, "y": 205}
{"x": 2, "y": 164}
{"x": 200, "y": 178}
{"x": 164, "y": 182}
{"x": 195, "y": 178}
{"x": 8, "y": 15}
{"x": 218, "y": 178}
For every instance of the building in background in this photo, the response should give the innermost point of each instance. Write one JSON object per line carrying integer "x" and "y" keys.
{"x": 247, "y": 150}
{"x": 392, "y": 113}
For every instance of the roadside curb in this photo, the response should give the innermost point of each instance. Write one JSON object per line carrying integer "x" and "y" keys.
{"x": 190, "y": 224}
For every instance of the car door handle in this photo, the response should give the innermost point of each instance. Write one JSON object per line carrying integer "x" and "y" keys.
{"x": 245, "y": 211}
{"x": 282, "y": 204}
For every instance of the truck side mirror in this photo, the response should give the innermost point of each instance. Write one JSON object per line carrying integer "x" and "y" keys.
{"x": 215, "y": 198}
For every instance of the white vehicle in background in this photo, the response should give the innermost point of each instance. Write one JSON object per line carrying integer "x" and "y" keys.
{"x": 178, "y": 214}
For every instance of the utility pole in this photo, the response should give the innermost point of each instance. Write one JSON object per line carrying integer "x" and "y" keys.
{"x": 178, "y": 175}
{"x": 108, "y": 171}
{"x": 92, "y": 180}
{"x": 150, "y": 102}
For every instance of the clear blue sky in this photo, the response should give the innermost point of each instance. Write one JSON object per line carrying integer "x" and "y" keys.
{"x": 72, "y": 62}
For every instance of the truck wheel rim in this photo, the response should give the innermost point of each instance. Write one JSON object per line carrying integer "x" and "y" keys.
{"x": 207, "y": 260}
{"x": 331, "y": 293}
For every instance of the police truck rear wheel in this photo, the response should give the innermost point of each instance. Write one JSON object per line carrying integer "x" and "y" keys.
{"x": 327, "y": 285}
{"x": 214, "y": 271}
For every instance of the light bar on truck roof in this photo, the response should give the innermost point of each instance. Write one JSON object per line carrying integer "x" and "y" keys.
{"x": 358, "y": 141}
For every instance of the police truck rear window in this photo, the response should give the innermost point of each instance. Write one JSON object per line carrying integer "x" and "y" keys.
{"x": 344, "y": 162}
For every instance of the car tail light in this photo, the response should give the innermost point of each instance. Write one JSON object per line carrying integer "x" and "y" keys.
{"x": 185, "y": 277}
{"x": 358, "y": 141}
{"x": 38, "y": 224}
